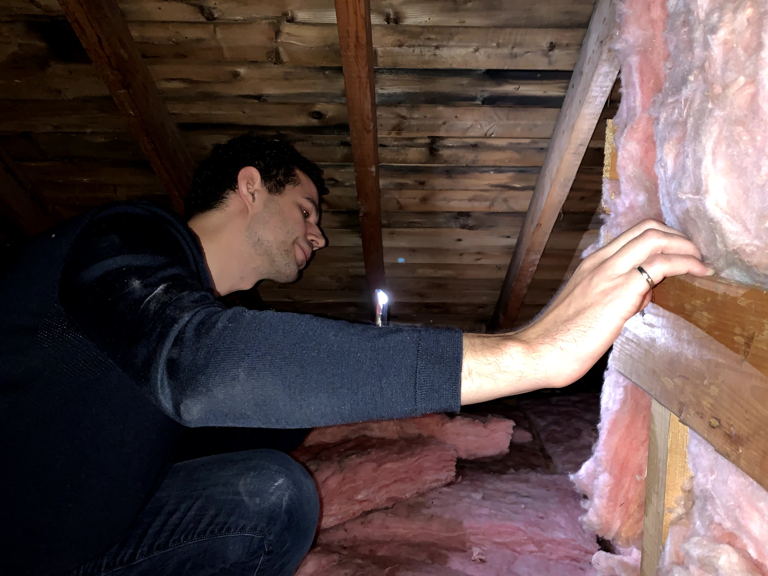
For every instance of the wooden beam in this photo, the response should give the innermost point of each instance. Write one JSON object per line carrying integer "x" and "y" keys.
{"x": 710, "y": 370}
{"x": 354, "y": 23}
{"x": 19, "y": 200}
{"x": 736, "y": 315}
{"x": 590, "y": 86}
{"x": 667, "y": 473}
{"x": 105, "y": 36}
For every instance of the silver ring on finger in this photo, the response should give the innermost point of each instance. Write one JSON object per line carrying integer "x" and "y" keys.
{"x": 646, "y": 276}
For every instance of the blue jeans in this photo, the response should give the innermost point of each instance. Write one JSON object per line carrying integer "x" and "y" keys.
{"x": 252, "y": 512}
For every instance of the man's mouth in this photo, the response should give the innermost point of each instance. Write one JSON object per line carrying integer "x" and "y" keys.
{"x": 303, "y": 262}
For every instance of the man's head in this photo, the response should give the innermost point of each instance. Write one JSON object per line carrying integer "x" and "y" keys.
{"x": 254, "y": 204}
{"x": 276, "y": 161}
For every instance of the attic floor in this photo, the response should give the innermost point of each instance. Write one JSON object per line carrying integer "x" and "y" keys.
{"x": 517, "y": 514}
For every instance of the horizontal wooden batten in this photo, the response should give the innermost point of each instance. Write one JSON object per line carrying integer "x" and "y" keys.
{"x": 61, "y": 116}
{"x": 440, "y": 47}
{"x": 323, "y": 149}
{"x": 182, "y": 78}
{"x": 709, "y": 371}
{"x": 278, "y": 41}
{"x": 390, "y": 12}
{"x": 467, "y": 121}
{"x": 401, "y": 121}
{"x": 316, "y": 45}
{"x": 735, "y": 315}
{"x": 456, "y": 200}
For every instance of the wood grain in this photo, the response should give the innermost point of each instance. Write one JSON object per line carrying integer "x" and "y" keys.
{"x": 714, "y": 389}
{"x": 590, "y": 87}
{"x": 667, "y": 473}
{"x": 354, "y": 23}
{"x": 105, "y": 36}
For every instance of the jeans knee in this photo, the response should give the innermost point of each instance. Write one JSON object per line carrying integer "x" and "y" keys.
{"x": 292, "y": 499}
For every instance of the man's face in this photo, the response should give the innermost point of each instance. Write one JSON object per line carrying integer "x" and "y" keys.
{"x": 285, "y": 232}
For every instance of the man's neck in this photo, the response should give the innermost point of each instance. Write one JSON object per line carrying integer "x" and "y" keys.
{"x": 221, "y": 233}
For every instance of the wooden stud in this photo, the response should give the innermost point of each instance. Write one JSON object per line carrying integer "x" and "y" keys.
{"x": 667, "y": 474}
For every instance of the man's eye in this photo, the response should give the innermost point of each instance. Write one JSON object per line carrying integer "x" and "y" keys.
{"x": 304, "y": 213}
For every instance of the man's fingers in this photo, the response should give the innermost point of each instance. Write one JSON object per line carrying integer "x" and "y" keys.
{"x": 662, "y": 266}
{"x": 644, "y": 228}
{"x": 651, "y": 244}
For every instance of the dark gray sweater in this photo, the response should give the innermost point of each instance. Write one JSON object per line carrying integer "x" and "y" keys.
{"x": 111, "y": 342}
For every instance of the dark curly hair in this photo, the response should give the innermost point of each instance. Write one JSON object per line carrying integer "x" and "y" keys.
{"x": 276, "y": 161}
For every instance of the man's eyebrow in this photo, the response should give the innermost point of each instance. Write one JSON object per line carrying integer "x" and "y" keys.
{"x": 313, "y": 202}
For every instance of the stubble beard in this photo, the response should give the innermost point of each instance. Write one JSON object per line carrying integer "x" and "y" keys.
{"x": 279, "y": 262}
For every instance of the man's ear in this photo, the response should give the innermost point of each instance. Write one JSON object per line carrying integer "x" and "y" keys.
{"x": 250, "y": 188}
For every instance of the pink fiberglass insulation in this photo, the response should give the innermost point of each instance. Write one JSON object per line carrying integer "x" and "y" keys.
{"x": 712, "y": 133}
{"x": 362, "y": 474}
{"x": 614, "y": 478}
{"x": 642, "y": 52}
{"x": 713, "y": 178}
{"x": 695, "y": 98}
{"x": 725, "y": 530}
{"x": 472, "y": 437}
{"x": 485, "y": 524}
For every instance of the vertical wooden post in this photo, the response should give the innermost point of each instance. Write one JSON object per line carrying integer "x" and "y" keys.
{"x": 667, "y": 473}
{"x": 356, "y": 43}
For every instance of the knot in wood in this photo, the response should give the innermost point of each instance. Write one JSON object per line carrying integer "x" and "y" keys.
{"x": 391, "y": 17}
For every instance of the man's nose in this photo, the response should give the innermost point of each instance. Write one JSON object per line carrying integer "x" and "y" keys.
{"x": 316, "y": 236}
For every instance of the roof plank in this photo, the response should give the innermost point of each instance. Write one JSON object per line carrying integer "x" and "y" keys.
{"x": 105, "y": 36}
{"x": 590, "y": 87}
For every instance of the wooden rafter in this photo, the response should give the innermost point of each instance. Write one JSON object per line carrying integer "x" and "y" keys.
{"x": 102, "y": 30}
{"x": 355, "y": 41}
{"x": 20, "y": 201}
{"x": 590, "y": 86}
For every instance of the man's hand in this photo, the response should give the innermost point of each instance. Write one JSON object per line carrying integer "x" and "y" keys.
{"x": 583, "y": 320}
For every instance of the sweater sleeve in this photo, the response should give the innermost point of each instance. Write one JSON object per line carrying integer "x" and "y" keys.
{"x": 135, "y": 284}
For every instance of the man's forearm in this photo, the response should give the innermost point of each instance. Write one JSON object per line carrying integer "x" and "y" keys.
{"x": 582, "y": 321}
{"x": 497, "y": 365}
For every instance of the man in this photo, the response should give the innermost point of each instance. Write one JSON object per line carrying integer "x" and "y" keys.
{"x": 114, "y": 342}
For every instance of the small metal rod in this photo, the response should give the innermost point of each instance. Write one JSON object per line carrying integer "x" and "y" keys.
{"x": 382, "y": 307}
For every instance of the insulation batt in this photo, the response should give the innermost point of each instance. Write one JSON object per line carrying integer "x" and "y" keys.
{"x": 362, "y": 474}
{"x": 471, "y": 437}
{"x": 694, "y": 88}
{"x": 642, "y": 52}
{"x": 614, "y": 478}
{"x": 372, "y": 465}
{"x": 514, "y": 524}
{"x": 712, "y": 130}
{"x": 725, "y": 530}
{"x": 713, "y": 179}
